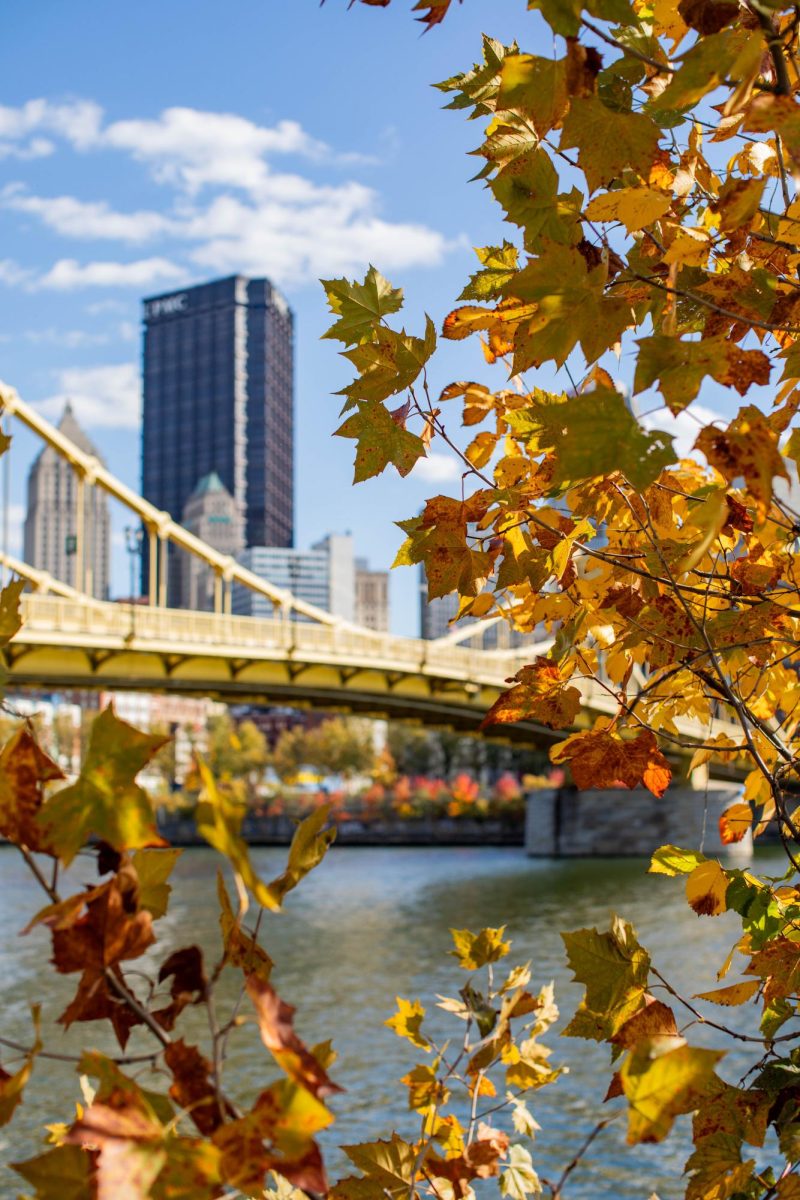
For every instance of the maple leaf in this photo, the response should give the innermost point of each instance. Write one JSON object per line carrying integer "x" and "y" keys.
{"x": 360, "y": 307}
{"x": 219, "y": 817}
{"x": 519, "y": 1179}
{"x": 64, "y": 1172}
{"x": 130, "y": 1149}
{"x": 600, "y": 760}
{"x": 634, "y": 207}
{"x": 381, "y": 440}
{"x": 153, "y": 868}
{"x": 614, "y": 969}
{"x": 594, "y": 434}
{"x": 540, "y": 694}
{"x": 660, "y": 1088}
{"x": 476, "y": 950}
{"x": 275, "y": 1023}
{"x": 732, "y": 995}
{"x": 105, "y": 800}
{"x": 24, "y": 770}
{"x": 192, "y": 1088}
{"x": 747, "y": 449}
{"x": 407, "y": 1022}
{"x": 10, "y": 618}
{"x": 241, "y": 950}
{"x": 391, "y": 1164}
{"x": 188, "y": 983}
{"x": 572, "y": 308}
{"x": 607, "y": 141}
{"x": 681, "y": 366}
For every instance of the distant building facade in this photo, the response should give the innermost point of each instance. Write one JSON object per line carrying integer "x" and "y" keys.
{"x": 51, "y": 521}
{"x": 212, "y": 514}
{"x": 219, "y": 396}
{"x": 372, "y": 597}
{"x": 323, "y": 576}
{"x": 437, "y": 617}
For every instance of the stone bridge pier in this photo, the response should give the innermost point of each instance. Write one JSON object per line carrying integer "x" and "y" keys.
{"x": 615, "y": 822}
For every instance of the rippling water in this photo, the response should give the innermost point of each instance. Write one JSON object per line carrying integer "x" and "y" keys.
{"x": 373, "y": 923}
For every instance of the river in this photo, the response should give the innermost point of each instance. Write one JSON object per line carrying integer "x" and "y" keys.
{"x": 370, "y": 924}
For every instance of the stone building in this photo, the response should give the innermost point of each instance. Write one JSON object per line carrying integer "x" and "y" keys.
{"x": 51, "y": 521}
{"x": 212, "y": 514}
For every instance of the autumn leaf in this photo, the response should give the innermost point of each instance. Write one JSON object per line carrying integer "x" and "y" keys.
{"x": 660, "y": 1087}
{"x": 734, "y": 822}
{"x": 609, "y": 141}
{"x": 381, "y": 441}
{"x": 391, "y": 1164}
{"x": 130, "y": 1149}
{"x": 12, "y": 1086}
{"x": 476, "y": 950}
{"x": 153, "y": 868}
{"x": 25, "y": 770}
{"x": 706, "y": 888}
{"x": 748, "y": 448}
{"x": 241, "y": 949}
{"x": 540, "y": 694}
{"x": 732, "y": 995}
{"x": 594, "y": 434}
{"x": 65, "y": 1172}
{"x": 309, "y": 846}
{"x": 360, "y": 307}
{"x": 10, "y": 618}
{"x": 275, "y": 1023}
{"x": 614, "y": 969}
{"x": 519, "y": 1179}
{"x": 105, "y": 800}
{"x": 193, "y": 1089}
{"x": 600, "y": 760}
{"x": 407, "y": 1022}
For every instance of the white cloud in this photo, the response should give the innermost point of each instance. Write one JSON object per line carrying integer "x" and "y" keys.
{"x": 78, "y": 121}
{"x": 684, "y": 427}
{"x": 12, "y": 273}
{"x": 437, "y": 468}
{"x": 232, "y": 211}
{"x": 35, "y": 148}
{"x": 85, "y": 219}
{"x": 101, "y": 397}
{"x": 68, "y": 273}
{"x": 191, "y": 149}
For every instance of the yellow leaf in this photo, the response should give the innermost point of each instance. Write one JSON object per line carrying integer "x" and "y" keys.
{"x": 735, "y": 993}
{"x": 475, "y": 950}
{"x": 634, "y": 207}
{"x": 407, "y": 1022}
{"x": 706, "y": 889}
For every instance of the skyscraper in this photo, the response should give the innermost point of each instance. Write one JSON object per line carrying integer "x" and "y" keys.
{"x": 219, "y": 396}
{"x": 51, "y": 521}
{"x": 212, "y": 514}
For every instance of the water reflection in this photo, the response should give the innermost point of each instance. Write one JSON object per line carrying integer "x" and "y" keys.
{"x": 371, "y": 924}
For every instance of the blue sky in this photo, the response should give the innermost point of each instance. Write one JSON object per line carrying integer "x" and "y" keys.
{"x": 147, "y": 146}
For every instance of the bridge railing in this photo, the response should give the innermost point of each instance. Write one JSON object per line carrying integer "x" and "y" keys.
{"x": 48, "y": 618}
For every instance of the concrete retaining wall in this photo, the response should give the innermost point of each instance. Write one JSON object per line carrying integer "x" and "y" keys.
{"x": 572, "y": 824}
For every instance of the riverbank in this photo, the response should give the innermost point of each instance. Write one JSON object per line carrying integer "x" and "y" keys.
{"x": 180, "y": 830}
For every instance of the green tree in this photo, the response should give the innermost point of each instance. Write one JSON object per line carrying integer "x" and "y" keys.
{"x": 237, "y": 752}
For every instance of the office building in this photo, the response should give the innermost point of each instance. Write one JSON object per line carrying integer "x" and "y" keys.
{"x": 210, "y": 513}
{"x": 372, "y": 597}
{"x": 51, "y": 521}
{"x": 437, "y": 619}
{"x": 323, "y": 576}
{"x": 219, "y": 396}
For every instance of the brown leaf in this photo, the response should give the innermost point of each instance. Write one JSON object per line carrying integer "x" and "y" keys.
{"x": 275, "y": 1019}
{"x": 541, "y": 694}
{"x": 192, "y": 1088}
{"x": 188, "y": 983}
{"x": 656, "y": 1019}
{"x": 600, "y": 760}
{"x": 24, "y": 769}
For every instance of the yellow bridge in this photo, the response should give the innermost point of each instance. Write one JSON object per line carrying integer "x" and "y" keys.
{"x": 302, "y": 655}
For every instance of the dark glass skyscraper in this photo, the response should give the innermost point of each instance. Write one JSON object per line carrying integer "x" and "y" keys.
{"x": 219, "y": 396}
